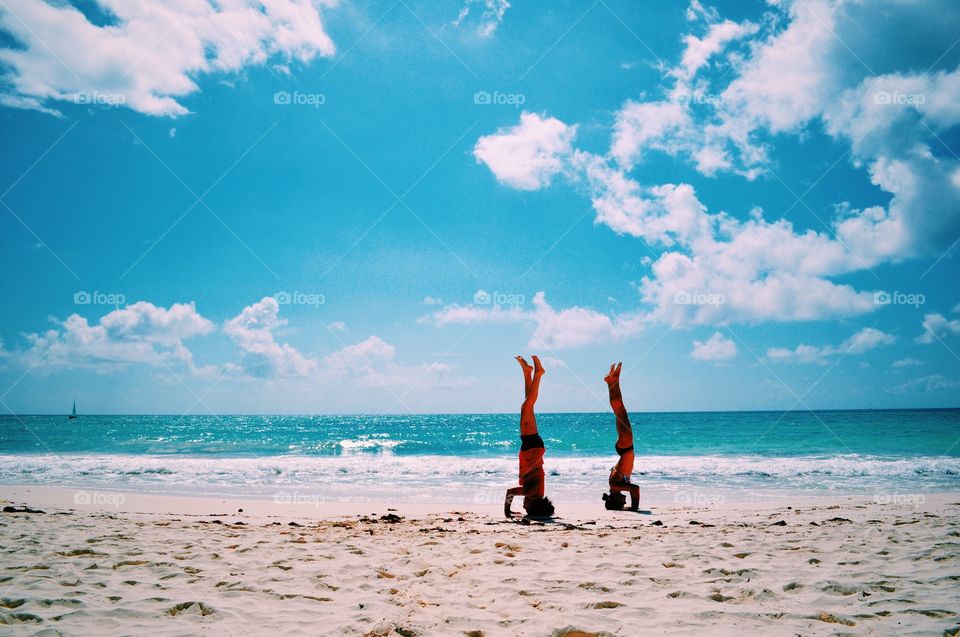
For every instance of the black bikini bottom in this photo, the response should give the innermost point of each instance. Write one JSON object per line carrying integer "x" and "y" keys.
{"x": 530, "y": 441}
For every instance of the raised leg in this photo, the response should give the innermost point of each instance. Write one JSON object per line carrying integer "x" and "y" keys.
{"x": 624, "y": 430}
{"x": 528, "y": 420}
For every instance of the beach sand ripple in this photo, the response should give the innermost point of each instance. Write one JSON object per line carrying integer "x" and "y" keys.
{"x": 845, "y": 567}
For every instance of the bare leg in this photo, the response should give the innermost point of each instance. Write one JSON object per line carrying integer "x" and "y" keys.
{"x": 624, "y": 430}
{"x": 527, "y": 374}
{"x": 528, "y": 420}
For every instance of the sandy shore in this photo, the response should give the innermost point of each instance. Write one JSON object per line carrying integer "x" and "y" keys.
{"x": 157, "y": 565}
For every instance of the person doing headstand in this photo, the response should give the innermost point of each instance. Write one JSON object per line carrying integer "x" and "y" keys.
{"x": 531, "y": 482}
{"x": 619, "y": 480}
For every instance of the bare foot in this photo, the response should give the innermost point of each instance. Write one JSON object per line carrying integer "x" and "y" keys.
{"x": 538, "y": 369}
{"x": 613, "y": 376}
{"x": 524, "y": 364}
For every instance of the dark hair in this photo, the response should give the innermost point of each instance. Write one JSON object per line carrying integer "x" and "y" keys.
{"x": 614, "y": 501}
{"x": 540, "y": 508}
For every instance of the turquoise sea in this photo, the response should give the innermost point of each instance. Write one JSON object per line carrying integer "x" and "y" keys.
{"x": 697, "y": 457}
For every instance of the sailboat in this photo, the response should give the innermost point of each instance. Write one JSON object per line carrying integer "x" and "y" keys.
{"x": 73, "y": 414}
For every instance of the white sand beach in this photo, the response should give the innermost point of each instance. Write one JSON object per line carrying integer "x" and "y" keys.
{"x": 155, "y": 565}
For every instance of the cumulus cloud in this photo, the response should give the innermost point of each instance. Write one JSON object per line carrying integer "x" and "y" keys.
{"x": 937, "y": 327}
{"x": 788, "y": 72}
{"x": 552, "y": 328}
{"x": 716, "y": 348}
{"x": 141, "y": 333}
{"x": 721, "y": 269}
{"x": 146, "y": 54}
{"x": 888, "y": 110}
{"x": 698, "y": 50}
{"x": 252, "y": 331}
{"x": 528, "y": 155}
{"x": 860, "y": 343}
{"x": 373, "y": 362}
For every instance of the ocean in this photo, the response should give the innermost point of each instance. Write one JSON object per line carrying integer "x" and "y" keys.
{"x": 697, "y": 458}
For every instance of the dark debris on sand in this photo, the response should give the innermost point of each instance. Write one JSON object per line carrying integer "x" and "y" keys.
{"x": 23, "y": 509}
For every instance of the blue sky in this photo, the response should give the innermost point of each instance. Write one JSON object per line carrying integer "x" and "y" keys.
{"x": 295, "y": 207}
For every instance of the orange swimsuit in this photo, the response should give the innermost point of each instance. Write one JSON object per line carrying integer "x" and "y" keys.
{"x": 531, "y": 472}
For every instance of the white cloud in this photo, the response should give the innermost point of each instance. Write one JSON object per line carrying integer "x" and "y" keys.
{"x": 716, "y": 348}
{"x": 696, "y": 11}
{"x": 927, "y": 384}
{"x": 337, "y": 326}
{"x": 793, "y": 69}
{"x": 723, "y": 270}
{"x": 890, "y": 114}
{"x": 372, "y": 363}
{"x": 937, "y": 327}
{"x": 698, "y": 51}
{"x": 648, "y": 125}
{"x": 552, "y": 329}
{"x": 905, "y": 362}
{"x": 863, "y": 341}
{"x": 139, "y": 333}
{"x": 372, "y": 351}
{"x": 755, "y": 270}
{"x": 151, "y": 52}
{"x": 490, "y": 17}
{"x": 252, "y": 330}
{"x": 669, "y": 125}
{"x": 787, "y": 79}
{"x": 528, "y": 155}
